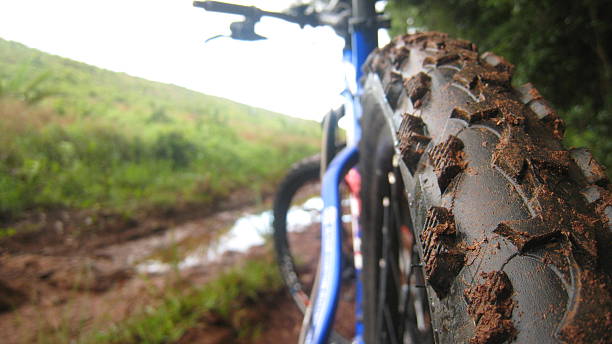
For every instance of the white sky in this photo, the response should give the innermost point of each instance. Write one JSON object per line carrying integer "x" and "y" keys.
{"x": 296, "y": 72}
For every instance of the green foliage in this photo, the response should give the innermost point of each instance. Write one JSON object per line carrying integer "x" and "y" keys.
{"x": 23, "y": 85}
{"x": 175, "y": 148}
{"x": 225, "y": 299}
{"x": 562, "y": 48}
{"x": 107, "y": 140}
{"x": 7, "y": 232}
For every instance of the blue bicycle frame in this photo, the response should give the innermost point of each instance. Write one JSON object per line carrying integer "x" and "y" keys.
{"x": 363, "y": 41}
{"x": 363, "y": 28}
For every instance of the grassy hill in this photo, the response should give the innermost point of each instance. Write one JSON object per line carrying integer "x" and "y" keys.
{"x": 73, "y": 135}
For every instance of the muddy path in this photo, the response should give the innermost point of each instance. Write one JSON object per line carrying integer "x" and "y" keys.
{"x": 62, "y": 282}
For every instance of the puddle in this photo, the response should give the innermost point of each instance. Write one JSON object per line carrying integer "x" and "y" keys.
{"x": 248, "y": 231}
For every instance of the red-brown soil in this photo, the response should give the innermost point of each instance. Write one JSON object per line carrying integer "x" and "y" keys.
{"x": 76, "y": 272}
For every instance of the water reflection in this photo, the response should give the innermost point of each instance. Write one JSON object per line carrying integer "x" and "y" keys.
{"x": 248, "y": 231}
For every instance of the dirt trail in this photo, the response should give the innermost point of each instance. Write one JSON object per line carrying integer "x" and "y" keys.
{"x": 63, "y": 283}
{"x": 70, "y": 283}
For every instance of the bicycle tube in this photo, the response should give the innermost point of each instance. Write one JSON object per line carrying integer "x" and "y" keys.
{"x": 327, "y": 288}
{"x": 301, "y": 174}
{"x": 512, "y": 228}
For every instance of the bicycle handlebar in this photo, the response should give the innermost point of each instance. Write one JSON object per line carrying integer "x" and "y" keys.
{"x": 217, "y": 6}
{"x": 255, "y": 13}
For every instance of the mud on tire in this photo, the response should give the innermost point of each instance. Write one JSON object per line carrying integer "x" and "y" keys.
{"x": 512, "y": 228}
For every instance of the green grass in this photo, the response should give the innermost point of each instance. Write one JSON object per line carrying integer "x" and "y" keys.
{"x": 73, "y": 135}
{"x": 226, "y": 299}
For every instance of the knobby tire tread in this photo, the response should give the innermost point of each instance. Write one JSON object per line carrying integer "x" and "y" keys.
{"x": 512, "y": 228}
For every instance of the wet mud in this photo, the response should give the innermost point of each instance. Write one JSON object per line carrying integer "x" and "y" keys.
{"x": 64, "y": 287}
{"x": 490, "y": 305}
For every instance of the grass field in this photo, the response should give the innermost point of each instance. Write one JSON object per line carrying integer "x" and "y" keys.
{"x": 228, "y": 298}
{"x": 77, "y": 136}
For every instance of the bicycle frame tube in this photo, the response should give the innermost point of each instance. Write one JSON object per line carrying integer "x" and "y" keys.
{"x": 364, "y": 40}
{"x": 328, "y": 287}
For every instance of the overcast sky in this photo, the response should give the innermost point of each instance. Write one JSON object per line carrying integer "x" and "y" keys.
{"x": 296, "y": 72}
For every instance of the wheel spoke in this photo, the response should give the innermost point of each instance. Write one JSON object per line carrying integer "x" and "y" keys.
{"x": 411, "y": 319}
{"x": 382, "y": 285}
{"x": 390, "y": 328}
{"x": 397, "y": 319}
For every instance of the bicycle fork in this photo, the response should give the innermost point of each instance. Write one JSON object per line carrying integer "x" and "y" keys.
{"x": 319, "y": 320}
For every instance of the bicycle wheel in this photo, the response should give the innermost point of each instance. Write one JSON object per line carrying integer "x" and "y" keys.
{"x": 395, "y": 304}
{"x": 512, "y": 229}
{"x": 301, "y": 183}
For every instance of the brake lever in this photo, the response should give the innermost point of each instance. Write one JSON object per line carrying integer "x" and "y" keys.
{"x": 242, "y": 30}
{"x": 245, "y": 30}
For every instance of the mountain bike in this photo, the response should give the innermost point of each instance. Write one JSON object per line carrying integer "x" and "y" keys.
{"x": 472, "y": 222}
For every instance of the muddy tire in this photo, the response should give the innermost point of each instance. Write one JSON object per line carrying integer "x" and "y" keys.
{"x": 512, "y": 228}
{"x": 384, "y": 278}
